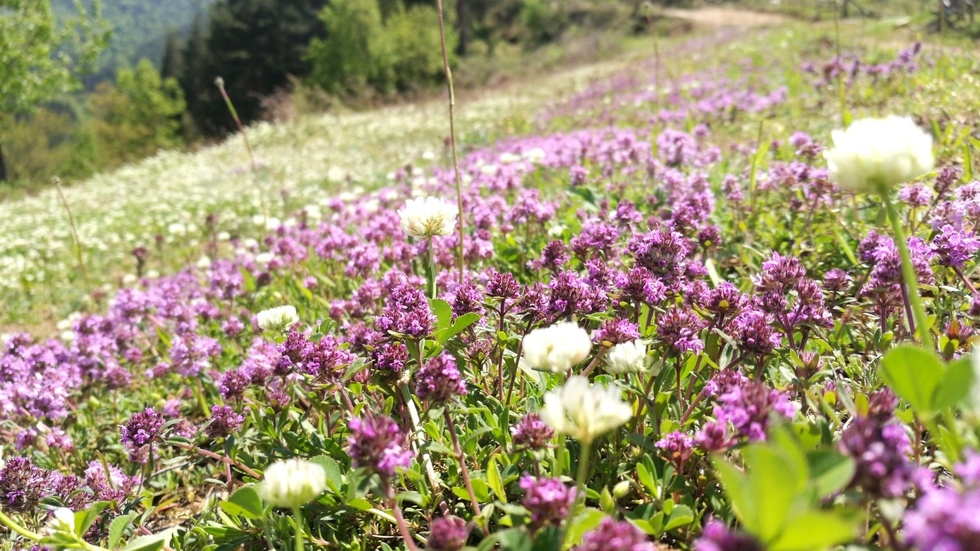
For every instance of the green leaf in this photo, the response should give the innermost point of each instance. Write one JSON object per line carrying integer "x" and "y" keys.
{"x": 85, "y": 518}
{"x": 494, "y": 481}
{"x": 680, "y": 516}
{"x": 335, "y": 480}
{"x": 646, "y": 479}
{"x": 955, "y": 385}
{"x": 914, "y": 374}
{"x": 547, "y": 539}
{"x": 443, "y": 312}
{"x": 117, "y": 527}
{"x": 829, "y": 471}
{"x": 514, "y": 539}
{"x": 739, "y": 495}
{"x": 814, "y": 530}
{"x": 153, "y": 542}
{"x": 583, "y": 522}
{"x": 461, "y": 324}
{"x": 244, "y": 502}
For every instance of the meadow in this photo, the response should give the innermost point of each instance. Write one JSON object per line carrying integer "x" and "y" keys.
{"x": 717, "y": 293}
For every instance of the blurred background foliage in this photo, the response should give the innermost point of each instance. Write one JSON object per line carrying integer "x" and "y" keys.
{"x": 153, "y": 88}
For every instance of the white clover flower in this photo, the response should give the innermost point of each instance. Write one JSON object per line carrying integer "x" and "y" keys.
{"x": 62, "y": 520}
{"x": 584, "y": 411}
{"x": 292, "y": 483}
{"x": 279, "y": 318}
{"x": 428, "y": 216}
{"x": 556, "y": 348}
{"x": 878, "y": 154}
{"x": 627, "y": 357}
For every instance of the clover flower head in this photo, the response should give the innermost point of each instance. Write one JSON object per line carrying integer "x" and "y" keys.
{"x": 627, "y": 357}
{"x": 427, "y": 217}
{"x": 556, "y": 348}
{"x": 279, "y": 318}
{"x": 292, "y": 483}
{"x": 879, "y": 154}
{"x": 584, "y": 411}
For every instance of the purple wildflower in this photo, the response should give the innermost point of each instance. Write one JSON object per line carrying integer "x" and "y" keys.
{"x": 22, "y": 485}
{"x": 377, "y": 443}
{"x": 438, "y": 380}
{"x": 224, "y": 421}
{"x": 447, "y": 534}
{"x": 717, "y": 537}
{"x": 531, "y": 432}
{"x": 953, "y": 247}
{"x": 677, "y": 448}
{"x": 548, "y": 499}
{"x": 615, "y": 331}
{"x": 113, "y": 485}
{"x": 406, "y": 312}
{"x": 142, "y": 428}
{"x": 678, "y": 329}
{"x": 880, "y": 449}
{"x": 748, "y": 404}
{"x": 612, "y": 535}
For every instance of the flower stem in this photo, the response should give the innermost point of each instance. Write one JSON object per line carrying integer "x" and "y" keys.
{"x": 580, "y": 476}
{"x": 908, "y": 273}
{"x": 399, "y": 518}
{"x": 17, "y": 528}
{"x": 298, "y": 516}
{"x": 452, "y": 135}
{"x": 463, "y": 470}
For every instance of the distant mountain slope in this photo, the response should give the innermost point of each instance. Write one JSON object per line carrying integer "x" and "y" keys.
{"x": 139, "y": 29}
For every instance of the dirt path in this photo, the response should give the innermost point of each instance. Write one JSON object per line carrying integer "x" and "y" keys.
{"x": 726, "y": 17}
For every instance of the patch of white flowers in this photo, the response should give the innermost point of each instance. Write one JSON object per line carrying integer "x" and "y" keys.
{"x": 427, "y": 217}
{"x": 584, "y": 411}
{"x": 878, "y": 154}
{"x": 292, "y": 483}
{"x": 279, "y": 318}
{"x": 627, "y": 357}
{"x": 556, "y": 348}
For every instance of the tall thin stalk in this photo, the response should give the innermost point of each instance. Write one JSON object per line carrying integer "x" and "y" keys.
{"x": 76, "y": 241}
{"x": 452, "y": 136}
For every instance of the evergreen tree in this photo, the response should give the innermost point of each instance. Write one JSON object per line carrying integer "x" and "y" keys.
{"x": 170, "y": 66}
{"x": 255, "y": 46}
{"x": 193, "y": 70}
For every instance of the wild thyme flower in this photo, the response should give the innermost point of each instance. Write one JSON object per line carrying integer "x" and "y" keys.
{"x": 224, "y": 421}
{"x": 531, "y": 432}
{"x": 747, "y": 404}
{"x": 142, "y": 428}
{"x": 676, "y": 447}
{"x": 406, "y": 312}
{"x": 881, "y": 454}
{"x": 953, "y": 247}
{"x": 717, "y": 537}
{"x": 615, "y": 331}
{"x": 613, "y": 535}
{"x": 438, "y": 380}
{"x": 378, "y": 444}
{"x": 679, "y": 329}
{"x": 447, "y": 534}
{"x": 548, "y": 499}
{"x": 22, "y": 485}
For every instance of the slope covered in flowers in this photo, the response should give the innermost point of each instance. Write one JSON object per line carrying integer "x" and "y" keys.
{"x": 666, "y": 326}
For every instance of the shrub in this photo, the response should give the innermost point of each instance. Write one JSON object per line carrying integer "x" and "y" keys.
{"x": 362, "y": 52}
